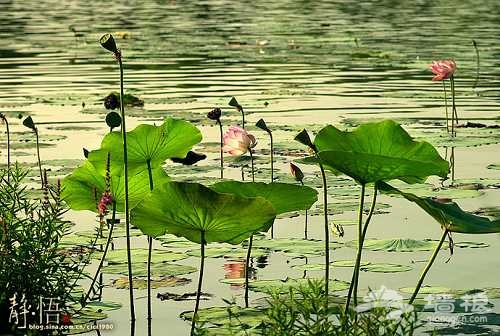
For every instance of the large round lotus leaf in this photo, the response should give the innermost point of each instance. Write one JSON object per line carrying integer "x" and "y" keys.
{"x": 341, "y": 207}
{"x": 173, "y": 139}
{"x": 347, "y": 263}
{"x": 157, "y": 270}
{"x": 168, "y": 281}
{"x": 395, "y": 245}
{"x": 282, "y": 286}
{"x": 283, "y": 196}
{"x": 140, "y": 255}
{"x": 428, "y": 290}
{"x": 188, "y": 209}
{"x": 82, "y": 189}
{"x": 84, "y": 241}
{"x": 211, "y": 251}
{"x": 385, "y": 268}
{"x": 294, "y": 246}
{"x": 98, "y": 306}
{"x": 470, "y": 244}
{"x": 220, "y": 315}
{"x": 449, "y": 215}
{"x": 379, "y": 151}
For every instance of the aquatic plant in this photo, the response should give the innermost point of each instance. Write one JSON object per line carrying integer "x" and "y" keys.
{"x": 237, "y": 142}
{"x": 215, "y": 114}
{"x": 234, "y": 103}
{"x": 375, "y": 152}
{"x": 6, "y": 122}
{"x": 445, "y": 69}
{"x": 33, "y": 263}
{"x": 303, "y": 138}
{"x": 451, "y": 218}
{"x": 29, "y": 123}
{"x": 262, "y": 125}
{"x": 201, "y": 215}
{"x": 299, "y": 176}
{"x": 108, "y": 42}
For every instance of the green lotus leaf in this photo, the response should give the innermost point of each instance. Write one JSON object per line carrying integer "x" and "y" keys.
{"x": 379, "y": 151}
{"x": 168, "y": 281}
{"x": 294, "y": 246}
{"x": 157, "y": 270}
{"x": 282, "y": 286}
{"x": 449, "y": 215}
{"x": 173, "y": 139}
{"x": 188, "y": 209}
{"x": 396, "y": 245}
{"x": 82, "y": 189}
{"x": 226, "y": 315}
{"x": 385, "y": 268}
{"x": 283, "y": 196}
{"x": 157, "y": 256}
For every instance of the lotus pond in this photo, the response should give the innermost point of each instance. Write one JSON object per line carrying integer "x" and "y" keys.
{"x": 340, "y": 89}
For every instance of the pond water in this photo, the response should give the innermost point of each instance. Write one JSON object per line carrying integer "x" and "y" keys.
{"x": 298, "y": 64}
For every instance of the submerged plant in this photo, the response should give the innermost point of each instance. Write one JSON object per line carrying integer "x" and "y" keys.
{"x": 445, "y": 69}
{"x": 203, "y": 216}
{"x": 215, "y": 114}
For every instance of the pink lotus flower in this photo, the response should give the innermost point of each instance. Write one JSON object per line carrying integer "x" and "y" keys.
{"x": 237, "y": 141}
{"x": 442, "y": 69}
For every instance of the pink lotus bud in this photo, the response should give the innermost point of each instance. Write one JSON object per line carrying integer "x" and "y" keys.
{"x": 442, "y": 69}
{"x": 237, "y": 141}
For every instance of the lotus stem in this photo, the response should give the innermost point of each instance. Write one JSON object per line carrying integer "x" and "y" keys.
{"x": 355, "y": 276}
{"x": 272, "y": 173}
{"x": 353, "y": 289}
{"x": 38, "y": 154}
{"x": 305, "y": 224}
{"x": 242, "y": 117}
{"x": 103, "y": 257}
{"x": 221, "y": 151}
{"x": 327, "y": 230}
{"x": 370, "y": 213}
{"x": 428, "y": 266}
{"x": 476, "y": 82}
{"x": 446, "y": 107}
{"x": 150, "y": 250}
{"x": 250, "y": 242}
{"x": 8, "y": 144}
{"x": 200, "y": 279}
{"x": 127, "y": 206}
{"x": 454, "y": 113}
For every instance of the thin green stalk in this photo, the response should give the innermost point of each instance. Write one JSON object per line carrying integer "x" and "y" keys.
{"x": 150, "y": 249}
{"x": 305, "y": 224}
{"x": 250, "y": 242}
{"x": 127, "y": 206}
{"x": 38, "y": 155}
{"x": 454, "y": 113}
{"x": 360, "y": 244}
{"x": 428, "y": 266}
{"x": 200, "y": 279}
{"x": 8, "y": 144}
{"x": 247, "y": 269}
{"x": 452, "y": 164}
{"x": 221, "y": 151}
{"x": 103, "y": 257}
{"x": 272, "y": 173}
{"x": 446, "y": 107}
{"x": 242, "y": 117}
{"x": 327, "y": 230}
{"x": 355, "y": 276}
{"x": 477, "y": 64}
